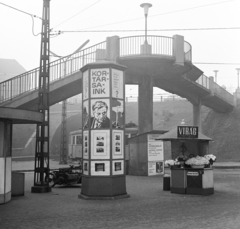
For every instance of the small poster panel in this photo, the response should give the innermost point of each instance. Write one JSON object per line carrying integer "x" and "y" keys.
{"x": 99, "y": 83}
{"x": 100, "y": 144}
{"x": 85, "y": 167}
{"x": 85, "y": 114}
{"x": 117, "y": 167}
{"x": 117, "y": 114}
{"x": 117, "y": 144}
{"x": 85, "y": 144}
{"x": 85, "y": 85}
{"x": 155, "y": 148}
{"x": 155, "y": 168}
{"x": 100, "y": 168}
{"x": 100, "y": 114}
{"x": 117, "y": 84}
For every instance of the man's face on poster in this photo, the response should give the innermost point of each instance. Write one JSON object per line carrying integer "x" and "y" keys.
{"x": 100, "y": 114}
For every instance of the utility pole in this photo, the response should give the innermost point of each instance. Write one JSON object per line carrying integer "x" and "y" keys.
{"x": 41, "y": 167}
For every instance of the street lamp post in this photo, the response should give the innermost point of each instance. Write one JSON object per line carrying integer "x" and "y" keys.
{"x": 216, "y": 71}
{"x": 145, "y": 47}
{"x": 146, "y": 6}
{"x": 63, "y": 153}
{"x": 238, "y": 69}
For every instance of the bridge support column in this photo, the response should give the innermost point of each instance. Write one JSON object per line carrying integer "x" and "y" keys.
{"x": 145, "y": 105}
{"x": 197, "y": 115}
{"x": 5, "y": 161}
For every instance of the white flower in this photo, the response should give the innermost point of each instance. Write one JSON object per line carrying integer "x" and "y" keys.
{"x": 210, "y": 156}
{"x": 197, "y": 161}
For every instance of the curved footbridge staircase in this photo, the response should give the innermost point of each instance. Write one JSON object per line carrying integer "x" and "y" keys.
{"x": 166, "y": 61}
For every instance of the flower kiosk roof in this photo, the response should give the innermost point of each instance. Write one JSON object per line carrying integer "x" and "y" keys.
{"x": 173, "y": 135}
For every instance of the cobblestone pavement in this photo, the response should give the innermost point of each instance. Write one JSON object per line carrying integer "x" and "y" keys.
{"x": 148, "y": 207}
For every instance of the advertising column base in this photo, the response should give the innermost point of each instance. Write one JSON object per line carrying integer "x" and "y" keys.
{"x": 103, "y": 188}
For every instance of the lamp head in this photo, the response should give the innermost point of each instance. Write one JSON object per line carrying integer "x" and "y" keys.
{"x": 146, "y": 6}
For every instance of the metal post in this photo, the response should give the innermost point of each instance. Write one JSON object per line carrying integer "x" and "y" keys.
{"x": 41, "y": 167}
{"x": 238, "y": 69}
{"x": 216, "y": 71}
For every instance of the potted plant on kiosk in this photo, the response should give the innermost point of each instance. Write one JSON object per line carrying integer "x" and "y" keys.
{"x": 197, "y": 162}
{"x": 211, "y": 158}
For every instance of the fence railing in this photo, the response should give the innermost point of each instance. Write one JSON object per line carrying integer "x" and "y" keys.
{"x": 60, "y": 68}
{"x": 203, "y": 81}
{"x": 223, "y": 94}
{"x": 156, "y": 98}
{"x": 219, "y": 91}
{"x": 64, "y": 67}
{"x": 159, "y": 46}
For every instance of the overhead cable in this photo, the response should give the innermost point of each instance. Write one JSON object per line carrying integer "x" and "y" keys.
{"x": 140, "y": 30}
{"x": 32, "y": 15}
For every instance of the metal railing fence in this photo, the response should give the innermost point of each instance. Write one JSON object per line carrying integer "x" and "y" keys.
{"x": 160, "y": 45}
{"x": 28, "y": 81}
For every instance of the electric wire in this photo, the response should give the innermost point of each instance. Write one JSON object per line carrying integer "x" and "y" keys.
{"x": 33, "y": 28}
{"x": 32, "y": 15}
{"x": 176, "y": 11}
{"x": 76, "y": 14}
{"x": 150, "y": 30}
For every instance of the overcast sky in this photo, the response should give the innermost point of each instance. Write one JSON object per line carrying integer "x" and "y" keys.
{"x": 215, "y": 49}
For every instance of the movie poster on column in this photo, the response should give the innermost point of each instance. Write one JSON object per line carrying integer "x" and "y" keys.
{"x": 100, "y": 114}
{"x": 85, "y": 85}
{"x": 117, "y": 84}
{"x": 117, "y": 114}
{"x": 117, "y": 144}
{"x": 85, "y": 115}
{"x": 100, "y": 144}
{"x": 100, "y": 82}
{"x": 85, "y": 144}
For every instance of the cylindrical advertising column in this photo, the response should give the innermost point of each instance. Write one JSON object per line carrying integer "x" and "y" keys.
{"x": 103, "y": 131}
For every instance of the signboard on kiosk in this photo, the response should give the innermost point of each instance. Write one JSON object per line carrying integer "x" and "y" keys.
{"x": 187, "y": 132}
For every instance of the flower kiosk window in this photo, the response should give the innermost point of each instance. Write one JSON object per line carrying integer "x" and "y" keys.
{"x": 191, "y": 164}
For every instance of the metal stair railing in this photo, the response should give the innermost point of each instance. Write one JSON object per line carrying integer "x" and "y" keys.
{"x": 28, "y": 81}
{"x": 129, "y": 46}
{"x": 160, "y": 45}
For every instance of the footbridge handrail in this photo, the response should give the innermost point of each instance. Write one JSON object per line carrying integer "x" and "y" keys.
{"x": 128, "y": 46}
{"x": 28, "y": 81}
{"x": 160, "y": 45}
{"x": 215, "y": 89}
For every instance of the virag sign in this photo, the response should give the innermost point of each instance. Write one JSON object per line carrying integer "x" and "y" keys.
{"x": 187, "y": 132}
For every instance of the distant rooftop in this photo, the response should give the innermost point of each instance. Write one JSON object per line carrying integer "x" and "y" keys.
{"x": 10, "y": 68}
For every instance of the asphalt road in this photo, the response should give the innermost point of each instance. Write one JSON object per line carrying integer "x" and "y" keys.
{"x": 148, "y": 207}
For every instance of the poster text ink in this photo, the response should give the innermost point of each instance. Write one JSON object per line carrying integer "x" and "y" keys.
{"x": 99, "y": 82}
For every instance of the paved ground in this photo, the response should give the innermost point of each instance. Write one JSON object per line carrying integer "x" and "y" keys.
{"x": 148, "y": 207}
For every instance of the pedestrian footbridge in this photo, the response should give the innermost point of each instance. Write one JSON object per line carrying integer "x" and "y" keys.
{"x": 167, "y": 66}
